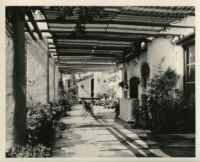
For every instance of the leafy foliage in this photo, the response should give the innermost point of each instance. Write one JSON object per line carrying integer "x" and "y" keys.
{"x": 164, "y": 110}
{"x": 69, "y": 97}
{"x": 28, "y": 151}
{"x": 40, "y": 120}
{"x": 40, "y": 127}
{"x": 164, "y": 103}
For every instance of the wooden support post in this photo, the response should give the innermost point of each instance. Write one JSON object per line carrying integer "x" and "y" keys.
{"x": 16, "y": 82}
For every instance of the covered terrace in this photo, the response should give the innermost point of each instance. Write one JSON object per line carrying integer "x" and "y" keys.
{"x": 44, "y": 43}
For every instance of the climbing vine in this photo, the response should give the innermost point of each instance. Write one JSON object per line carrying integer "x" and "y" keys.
{"x": 85, "y": 15}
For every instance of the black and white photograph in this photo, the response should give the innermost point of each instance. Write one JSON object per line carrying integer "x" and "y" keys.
{"x": 100, "y": 81}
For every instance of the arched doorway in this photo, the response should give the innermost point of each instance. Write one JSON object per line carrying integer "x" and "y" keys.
{"x": 134, "y": 82}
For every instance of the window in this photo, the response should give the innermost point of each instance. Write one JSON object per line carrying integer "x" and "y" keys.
{"x": 190, "y": 73}
{"x": 69, "y": 83}
{"x": 125, "y": 81}
{"x": 145, "y": 71}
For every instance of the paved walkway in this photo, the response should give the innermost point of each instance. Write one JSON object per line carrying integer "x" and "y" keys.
{"x": 103, "y": 137}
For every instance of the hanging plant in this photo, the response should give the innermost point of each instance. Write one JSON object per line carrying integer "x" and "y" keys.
{"x": 123, "y": 84}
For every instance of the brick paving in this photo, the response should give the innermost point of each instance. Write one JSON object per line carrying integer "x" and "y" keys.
{"x": 102, "y": 136}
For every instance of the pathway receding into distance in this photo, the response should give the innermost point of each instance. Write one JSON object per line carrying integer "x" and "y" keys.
{"x": 102, "y": 136}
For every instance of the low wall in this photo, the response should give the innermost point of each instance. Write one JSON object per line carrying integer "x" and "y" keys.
{"x": 127, "y": 108}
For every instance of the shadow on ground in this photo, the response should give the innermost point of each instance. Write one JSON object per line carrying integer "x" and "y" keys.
{"x": 103, "y": 136}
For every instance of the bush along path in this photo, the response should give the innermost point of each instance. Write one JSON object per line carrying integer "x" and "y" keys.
{"x": 42, "y": 120}
{"x": 41, "y": 123}
{"x": 165, "y": 110}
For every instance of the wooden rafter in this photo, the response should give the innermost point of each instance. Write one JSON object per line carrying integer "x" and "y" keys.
{"x": 99, "y": 36}
{"x": 121, "y": 22}
{"x": 124, "y": 33}
{"x": 89, "y": 47}
{"x": 131, "y": 24}
{"x": 31, "y": 18}
{"x": 29, "y": 31}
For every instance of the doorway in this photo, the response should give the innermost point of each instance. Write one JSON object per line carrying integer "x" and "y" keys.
{"x": 92, "y": 87}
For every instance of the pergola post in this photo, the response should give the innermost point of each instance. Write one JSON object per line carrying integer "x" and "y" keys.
{"x": 47, "y": 76}
{"x": 16, "y": 68}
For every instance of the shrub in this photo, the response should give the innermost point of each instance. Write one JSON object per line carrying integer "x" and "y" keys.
{"x": 142, "y": 117}
{"x": 28, "y": 151}
{"x": 164, "y": 109}
{"x": 40, "y": 119}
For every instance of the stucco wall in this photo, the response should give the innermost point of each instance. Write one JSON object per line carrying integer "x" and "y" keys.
{"x": 100, "y": 83}
{"x": 159, "y": 48}
{"x": 51, "y": 80}
{"x": 37, "y": 70}
{"x": 57, "y": 76}
{"x": 86, "y": 90}
{"x": 10, "y": 101}
{"x": 42, "y": 73}
{"x": 113, "y": 83}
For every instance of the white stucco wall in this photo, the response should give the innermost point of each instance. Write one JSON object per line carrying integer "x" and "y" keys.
{"x": 100, "y": 83}
{"x": 86, "y": 90}
{"x": 114, "y": 84}
{"x": 158, "y": 49}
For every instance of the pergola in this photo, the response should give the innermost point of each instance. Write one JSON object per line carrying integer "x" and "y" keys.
{"x": 110, "y": 37}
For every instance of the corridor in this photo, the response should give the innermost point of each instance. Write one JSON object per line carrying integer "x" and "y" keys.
{"x": 102, "y": 136}
{"x": 139, "y": 60}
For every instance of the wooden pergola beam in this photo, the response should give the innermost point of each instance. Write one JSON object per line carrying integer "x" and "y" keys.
{"x": 84, "y": 65}
{"x": 105, "y": 37}
{"x": 138, "y": 23}
{"x": 87, "y": 68}
{"x": 86, "y": 55}
{"x": 142, "y": 33}
{"x": 90, "y": 47}
{"x": 89, "y": 54}
{"x": 32, "y": 20}
{"x": 82, "y": 60}
{"x": 80, "y": 70}
{"x": 29, "y": 31}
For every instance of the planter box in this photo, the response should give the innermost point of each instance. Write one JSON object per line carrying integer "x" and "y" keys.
{"x": 127, "y": 109}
